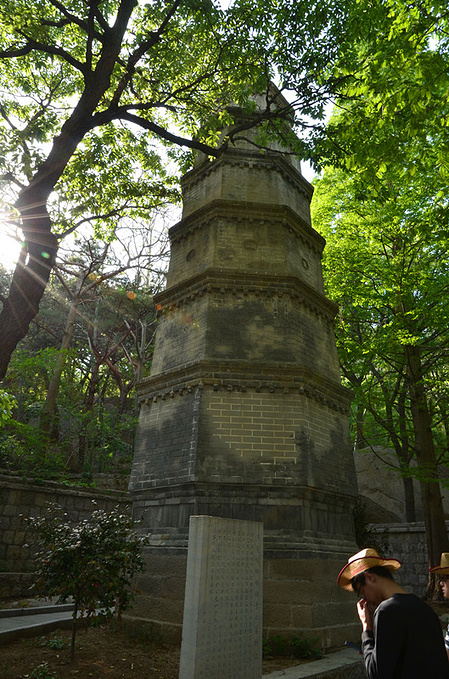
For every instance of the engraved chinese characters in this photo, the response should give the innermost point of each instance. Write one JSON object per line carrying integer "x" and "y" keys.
{"x": 222, "y": 628}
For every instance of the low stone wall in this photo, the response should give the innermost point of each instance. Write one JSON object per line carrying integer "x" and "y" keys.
{"x": 406, "y": 542}
{"x": 20, "y": 499}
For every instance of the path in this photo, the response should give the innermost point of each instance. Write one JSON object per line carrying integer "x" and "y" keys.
{"x": 20, "y": 622}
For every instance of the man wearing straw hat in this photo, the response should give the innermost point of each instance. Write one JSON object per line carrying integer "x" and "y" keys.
{"x": 402, "y": 639}
{"x": 442, "y": 571}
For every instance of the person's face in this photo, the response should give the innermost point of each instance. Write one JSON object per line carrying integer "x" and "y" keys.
{"x": 371, "y": 590}
{"x": 444, "y": 584}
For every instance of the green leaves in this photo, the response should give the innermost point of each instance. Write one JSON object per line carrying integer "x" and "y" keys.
{"x": 386, "y": 264}
{"x": 91, "y": 562}
{"x": 397, "y": 94}
{"x": 7, "y": 404}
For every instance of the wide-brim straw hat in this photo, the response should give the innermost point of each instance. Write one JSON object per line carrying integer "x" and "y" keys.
{"x": 360, "y": 562}
{"x": 443, "y": 568}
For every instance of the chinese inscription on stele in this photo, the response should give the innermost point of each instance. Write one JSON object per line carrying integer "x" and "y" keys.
{"x": 222, "y": 626}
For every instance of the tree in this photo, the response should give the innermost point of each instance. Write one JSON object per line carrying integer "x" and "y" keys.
{"x": 90, "y": 268}
{"x": 89, "y": 88}
{"x": 386, "y": 265}
{"x": 394, "y": 94}
{"x": 391, "y": 137}
{"x": 90, "y": 563}
{"x": 73, "y": 373}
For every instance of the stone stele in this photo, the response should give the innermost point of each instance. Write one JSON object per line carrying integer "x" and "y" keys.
{"x": 222, "y": 626}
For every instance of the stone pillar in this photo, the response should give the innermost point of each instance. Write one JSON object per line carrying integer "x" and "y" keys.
{"x": 244, "y": 415}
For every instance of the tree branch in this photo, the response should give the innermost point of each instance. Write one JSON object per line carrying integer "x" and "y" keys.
{"x": 35, "y": 45}
{"x": 122, "y": 113}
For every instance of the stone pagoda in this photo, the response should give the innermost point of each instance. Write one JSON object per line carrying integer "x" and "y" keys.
{"x": 244, "y": 415}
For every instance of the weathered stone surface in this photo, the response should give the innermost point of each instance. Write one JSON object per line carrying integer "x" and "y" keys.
{"x": 244, "y": 416}
{"x": 222, "y": 626}
{"x": 381, "y": 486}
{"x": 316, "y": 607}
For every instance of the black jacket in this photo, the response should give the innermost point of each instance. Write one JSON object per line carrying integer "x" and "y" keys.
{"x": 407, "y": 642}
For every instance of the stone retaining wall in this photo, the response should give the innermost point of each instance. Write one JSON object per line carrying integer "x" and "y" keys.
{"x": 20, "y": 499}
{"x": 406, "y": 542}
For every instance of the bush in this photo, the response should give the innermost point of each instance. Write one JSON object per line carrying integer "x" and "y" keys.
{"x": 90, "y": 563}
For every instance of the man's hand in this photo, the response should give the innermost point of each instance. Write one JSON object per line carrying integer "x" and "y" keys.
{"x": 365, "y": 615}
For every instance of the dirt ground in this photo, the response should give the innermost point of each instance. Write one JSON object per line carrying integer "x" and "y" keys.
{"x": 101, "y": 653}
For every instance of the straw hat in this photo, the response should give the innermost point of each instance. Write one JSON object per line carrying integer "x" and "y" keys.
{"x": 360, "y": 562}
{"x": 443, "y": 568}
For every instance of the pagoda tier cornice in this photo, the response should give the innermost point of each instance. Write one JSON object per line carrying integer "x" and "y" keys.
{"x": 244, "y": 159}
{"x": 244, "y": 211}
{"x": 231, "y": 375}
{"x": 250, "y": 286}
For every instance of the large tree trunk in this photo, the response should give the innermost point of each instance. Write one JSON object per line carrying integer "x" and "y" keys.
{"x": 405, "y": 455}
{"x": 30, "y": 278}
{"x": 436, "y": 533}
{"x": 409, "y": 499}
{"x": 409, "y": 491}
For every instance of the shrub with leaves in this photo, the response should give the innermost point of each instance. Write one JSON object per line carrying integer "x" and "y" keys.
{"x": 90, "y": 563}
{"x": 7, "y": 403}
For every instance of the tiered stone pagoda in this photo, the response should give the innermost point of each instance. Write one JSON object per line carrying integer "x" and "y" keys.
{"x": 244, "y": 415}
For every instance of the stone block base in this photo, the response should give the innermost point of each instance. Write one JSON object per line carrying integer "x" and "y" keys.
{"x": 301, "y": 598}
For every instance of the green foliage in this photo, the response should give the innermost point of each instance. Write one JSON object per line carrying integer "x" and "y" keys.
{"x": 382, "y": 206}
{"x": 395, "y": 80}
{"x": 23, "y": 449}
{"x": 92, "y": 419}
{"x": 90, "y": 563}
{"x": 54, "y": 641}
{"x": 109, "y": 444}
{"x": 43, "y": 671}
{"x": 386, "y": 265}
{"x": 297, "y": 647}
{"x": 7, "y": 404}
